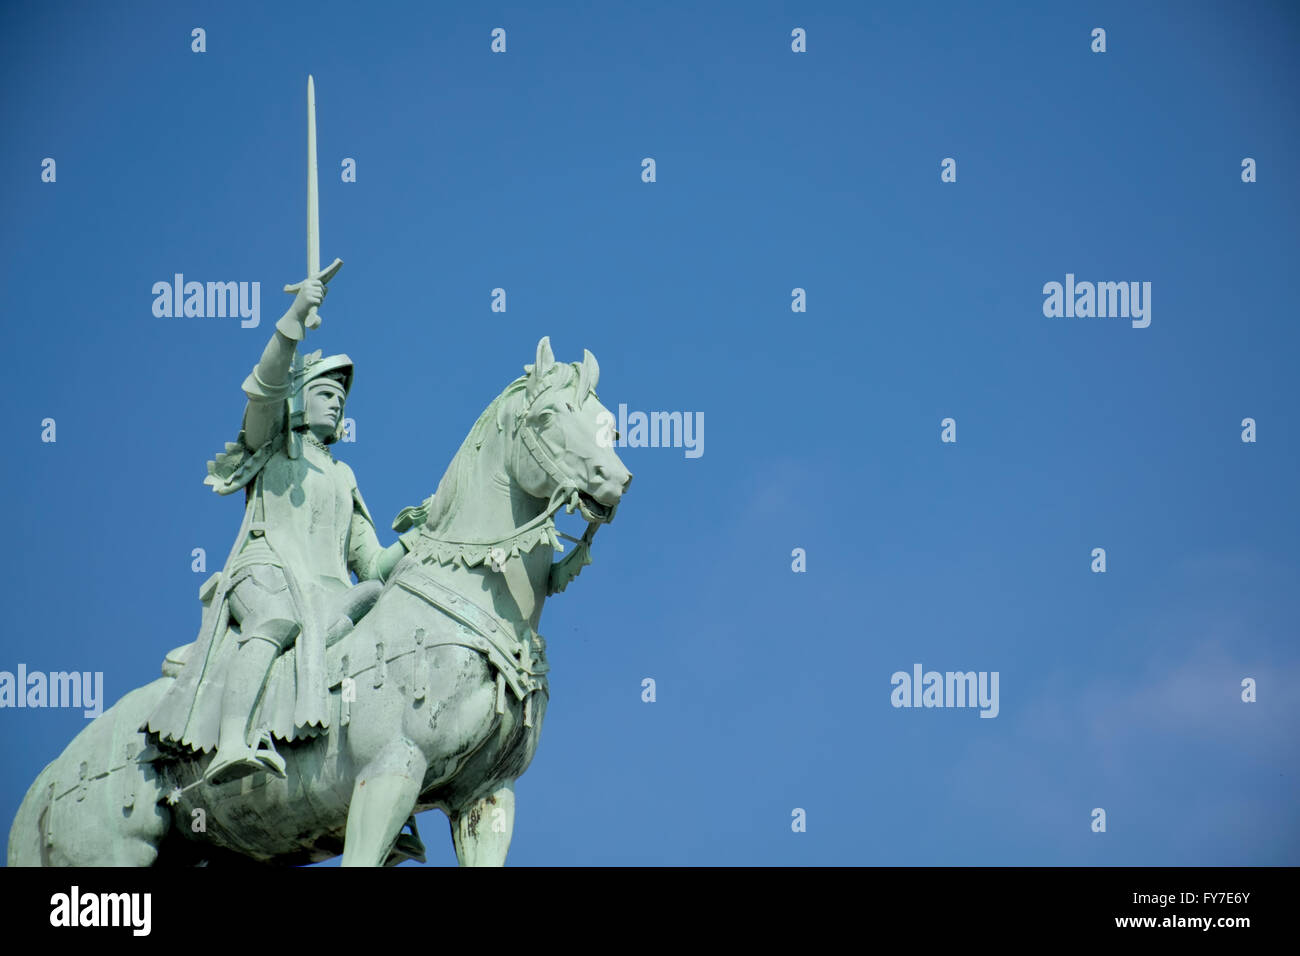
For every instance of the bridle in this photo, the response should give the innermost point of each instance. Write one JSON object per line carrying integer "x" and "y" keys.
{"x": 566, "y": 495}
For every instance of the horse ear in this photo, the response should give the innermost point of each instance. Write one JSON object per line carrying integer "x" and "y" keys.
{"x": 589, "y": 375}
{"x": 545, "y": 360}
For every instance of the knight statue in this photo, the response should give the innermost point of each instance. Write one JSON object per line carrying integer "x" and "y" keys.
{"x": 286, "y": 582}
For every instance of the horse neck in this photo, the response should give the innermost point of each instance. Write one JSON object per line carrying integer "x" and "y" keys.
{"x": 491, "y": 507}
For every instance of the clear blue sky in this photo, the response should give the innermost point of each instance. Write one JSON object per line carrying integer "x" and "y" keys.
{"x": 775, "y": 170}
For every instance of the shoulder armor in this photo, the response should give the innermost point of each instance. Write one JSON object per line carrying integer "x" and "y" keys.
{"x": 236, "y": 466}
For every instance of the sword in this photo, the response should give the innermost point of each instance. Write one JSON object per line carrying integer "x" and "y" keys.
{"x": 312, "y": 320}
{"x": 313, "y": 210}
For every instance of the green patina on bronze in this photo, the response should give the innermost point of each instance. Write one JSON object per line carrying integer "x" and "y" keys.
{"x": 314, "y": 716}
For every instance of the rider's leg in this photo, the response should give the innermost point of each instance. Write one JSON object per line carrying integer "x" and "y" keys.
{"x": 351, "y": 606}
{"x": 260, "y": 603}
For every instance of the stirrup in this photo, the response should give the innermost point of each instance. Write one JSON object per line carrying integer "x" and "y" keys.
{"x": 226, "y": 769}
{"x": 268, "y": 757}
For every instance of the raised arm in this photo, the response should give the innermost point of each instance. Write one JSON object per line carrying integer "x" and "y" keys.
{"x": 268, "y": 384}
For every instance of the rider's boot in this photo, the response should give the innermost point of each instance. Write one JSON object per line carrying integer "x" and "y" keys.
{"x": 246, "y": 678}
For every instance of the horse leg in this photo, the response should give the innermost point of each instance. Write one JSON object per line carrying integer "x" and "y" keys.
{"x": 481, "y": 831}
{"x": 383, "y": 798}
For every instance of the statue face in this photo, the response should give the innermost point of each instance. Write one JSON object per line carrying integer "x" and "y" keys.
{"x": 324, "y": 407}
{"x": 580, "y": 438}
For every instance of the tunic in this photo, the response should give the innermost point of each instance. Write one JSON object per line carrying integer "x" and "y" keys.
{"x": 305, "y": 516}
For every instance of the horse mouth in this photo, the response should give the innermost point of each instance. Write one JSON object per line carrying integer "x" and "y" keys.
{"x": 592, "y": 509}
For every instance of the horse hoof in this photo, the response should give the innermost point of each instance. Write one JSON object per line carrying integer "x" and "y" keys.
{"x": 407, "y": 847}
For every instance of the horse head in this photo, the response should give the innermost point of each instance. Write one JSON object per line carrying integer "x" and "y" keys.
{"x": 563, "y": 438}
{"x": 543, "y": 443}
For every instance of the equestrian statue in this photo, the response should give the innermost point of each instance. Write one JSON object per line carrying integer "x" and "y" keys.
{"x": 315, "y": 716}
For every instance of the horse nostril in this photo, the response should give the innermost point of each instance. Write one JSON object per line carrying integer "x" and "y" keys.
{"x": 627, "y": 481}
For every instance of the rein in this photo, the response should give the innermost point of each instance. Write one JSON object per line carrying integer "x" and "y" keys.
{"x": 526, "y": 537}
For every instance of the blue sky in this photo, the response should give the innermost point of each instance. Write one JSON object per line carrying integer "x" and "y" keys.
{"x": 775, "y": 171}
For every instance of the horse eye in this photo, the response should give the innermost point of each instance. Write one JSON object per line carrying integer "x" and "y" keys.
{"x": 570, "y": 407}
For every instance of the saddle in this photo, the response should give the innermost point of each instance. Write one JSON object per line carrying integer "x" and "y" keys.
{"x": 350, "y": 607}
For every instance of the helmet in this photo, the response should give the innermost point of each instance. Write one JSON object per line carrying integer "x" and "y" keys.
{"x": 306, "y": 371}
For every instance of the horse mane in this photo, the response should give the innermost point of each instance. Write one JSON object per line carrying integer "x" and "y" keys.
{"x": 454, "y": 485}
{"x": 456, "y": 480}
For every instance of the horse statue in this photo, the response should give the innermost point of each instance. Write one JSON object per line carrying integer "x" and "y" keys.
{"x": 436, "y": 696}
